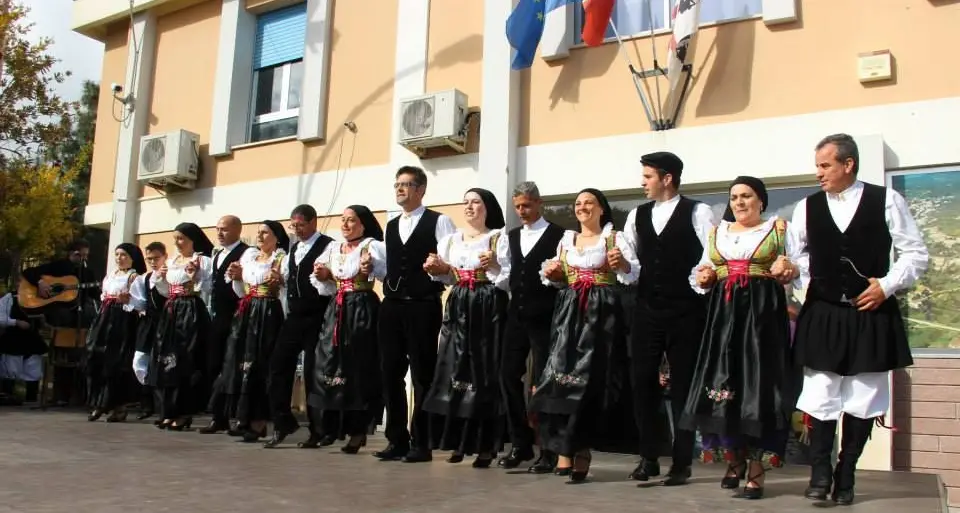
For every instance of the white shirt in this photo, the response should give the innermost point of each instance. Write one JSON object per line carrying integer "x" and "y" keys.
{"x": 911, "y": 256}
{"x": 408, "y": 222}
{"x": 221, "y": 254}
{"x": 345, "y": 266}
{"x": 116, "y": 283}
{"x": 702, "y": 221}
{"x": 530, "y": 235}
{"x": 177, "y": 275}
{"x": 465, "y": 255}
{"x": 595, "y": 256}
{"x": 303, "y": 247}
{"x": 6, "y": 304}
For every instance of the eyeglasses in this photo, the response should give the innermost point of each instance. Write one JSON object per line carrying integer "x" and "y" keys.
{"x": 406, "y": 185}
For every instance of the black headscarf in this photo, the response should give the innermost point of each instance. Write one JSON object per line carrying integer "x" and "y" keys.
{"x": 201, "y": 244}
{"x": 371, "y": 227}
{"x": 494, "y": 218}
{"x": 607, "y": 216}
{"x": 283, "y": 240}
{"x": 758, "y": 187}
{"x": 139, "y": 264}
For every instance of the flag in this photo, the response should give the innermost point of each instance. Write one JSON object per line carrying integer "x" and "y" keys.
{"x": 686, "y": 17}
{"x": 596, "y": 17}
{"x": 525, "y": 28}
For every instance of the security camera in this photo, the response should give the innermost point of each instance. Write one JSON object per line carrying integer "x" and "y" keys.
{"x": 116, "y": 88}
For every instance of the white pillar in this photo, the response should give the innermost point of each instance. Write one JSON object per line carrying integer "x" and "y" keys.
{"x": 139, "y": 79}
{"x": 233, "y": 83}
{"x": 316, "y": 71}
{"x": 500, "y": 112}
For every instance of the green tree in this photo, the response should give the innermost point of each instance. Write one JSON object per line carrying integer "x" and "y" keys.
{"x": 74, "y": 151}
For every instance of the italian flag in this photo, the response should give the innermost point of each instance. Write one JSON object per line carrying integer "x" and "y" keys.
{"x": 596, "y": 17}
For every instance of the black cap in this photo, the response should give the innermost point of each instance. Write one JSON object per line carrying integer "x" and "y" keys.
{"x": 664, "y": 161}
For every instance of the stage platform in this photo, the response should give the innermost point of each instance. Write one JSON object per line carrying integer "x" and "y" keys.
{"x": 56, "y": 461}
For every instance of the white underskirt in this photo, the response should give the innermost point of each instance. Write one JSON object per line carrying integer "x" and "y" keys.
{"x": 826, "y": 395}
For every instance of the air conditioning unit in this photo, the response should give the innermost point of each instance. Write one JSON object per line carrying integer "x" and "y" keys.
{"x": 433, "y": 120}
{"x": 169, "y": 160}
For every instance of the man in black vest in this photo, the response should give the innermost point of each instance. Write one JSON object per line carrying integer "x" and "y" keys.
{"x": 669, "y": 234}
{"x": 528, "y": 321}
{"x": 300, "y": 330}
{"x": 850, "y": 333}
{"x": 410, "y": 316}
{"x": 223, "y": 304}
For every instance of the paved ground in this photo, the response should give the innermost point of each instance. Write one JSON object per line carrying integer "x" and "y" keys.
{"x": 56, "y": 461}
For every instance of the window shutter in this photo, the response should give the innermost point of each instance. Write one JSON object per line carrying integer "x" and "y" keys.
{"x": 281, "y": 35}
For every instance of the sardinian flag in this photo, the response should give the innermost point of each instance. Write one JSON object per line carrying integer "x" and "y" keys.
{"x": 685, "y": 16}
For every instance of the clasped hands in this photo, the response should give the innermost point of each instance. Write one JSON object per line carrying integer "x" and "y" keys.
{"x": 782, "y": 270}
{"x": 435, "y": 266}
{"x": 554, "y": 271}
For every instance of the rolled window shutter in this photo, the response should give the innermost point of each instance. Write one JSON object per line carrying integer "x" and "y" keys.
{"x": 281, "y": 36}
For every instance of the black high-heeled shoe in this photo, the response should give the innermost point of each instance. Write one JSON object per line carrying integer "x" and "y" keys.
{"x": 579, "y": 475}
{"x": 733, "y": 482}
{"x": 163, "y": 423}
{"x": 117, "y": 417}
{"x": 482, "y": 462}
{"x": 353, "y": 448}
{"x": 755, "y": 492}
{"x": 186, "y": 423}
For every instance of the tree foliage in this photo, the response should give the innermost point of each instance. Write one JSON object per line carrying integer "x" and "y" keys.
{"x": 74, "y": 151}
{"x": 32, "y": 115}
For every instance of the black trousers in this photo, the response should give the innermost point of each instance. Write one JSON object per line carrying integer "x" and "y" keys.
{"x": 523, "y": 336}
{"x": 408, "y": 331}
{"x": 299, "y": 333}
{"x": 216, "y": 346}
{"x": 675, "y": 332}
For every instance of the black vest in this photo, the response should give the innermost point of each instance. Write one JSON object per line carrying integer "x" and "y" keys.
{"x": 223, "y": 299}
{"x": 529, "y": 297}
{"x": 15, "y": 312}
{"x": 666, "y": 260}
{"x": 302, "y": 297}
{"x": 155, "y": 300}
{"x": 405, "y": 275}
{"x": 866, "y": 243}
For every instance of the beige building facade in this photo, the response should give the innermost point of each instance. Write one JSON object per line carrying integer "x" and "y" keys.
{"x": 296, "y": 102}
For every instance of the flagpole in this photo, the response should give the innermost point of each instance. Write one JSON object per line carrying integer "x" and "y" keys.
{"x": 633, "y": 75}
{"x": 656, "y": 65}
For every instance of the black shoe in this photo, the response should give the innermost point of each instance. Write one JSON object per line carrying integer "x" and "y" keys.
{"x": 733, "y": 482}
{"x": 645, "y": 470}
{"x": 544, "y": 464}
{"x": 392, "y": 452}
{"x": 677, "y": 476}
{"x": 755, "y": 492}
{"x": 456, "y": 457}
{"x": 353, "y": 448}
{"x": 215, "y": 426}
{"x": 482, "y": 462}
{"x": 418, "y": 456}
{"x": 278, "y": 437}
{"x": 314, "y": 441}
{"x": 250, "y": 436}
{"x": 856, "y": 432}
{"x": 843, "y": 497}
{"x": 181, "y": 425}
{"x": 517, "y": 456}
{"x": 578, "y": 473}
{"x": 144, "y": 415}
{"x": 238, "y": 431}
{"x": 94, "y": 415}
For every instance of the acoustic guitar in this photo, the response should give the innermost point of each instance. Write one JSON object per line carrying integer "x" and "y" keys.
{"x": 63, "y": 289}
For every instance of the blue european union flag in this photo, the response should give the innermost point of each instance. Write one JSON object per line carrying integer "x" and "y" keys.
{"x": 525, "y": 28}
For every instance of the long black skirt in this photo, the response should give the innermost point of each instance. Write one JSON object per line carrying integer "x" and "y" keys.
{"x": 465, "y": 392}
{"x": 174, "y": 369}
{"x": 585, "y": 371}
{"x": 347, "y": 384}
{"x": 742, "y": 391}
{"x": 838, "y": 338}
{"x": 246, "y": 361}
{"x": 147, "y": 330}
{"x": 110, "y": 344}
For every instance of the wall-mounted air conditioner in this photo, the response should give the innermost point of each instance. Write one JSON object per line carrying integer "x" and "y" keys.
{"x": 169, "y": 160}
{"x": 433, "y": 120}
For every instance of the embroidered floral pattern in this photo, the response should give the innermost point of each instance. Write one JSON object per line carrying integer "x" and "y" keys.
{"x": 769, "y": 460}
{"x": 566, "y": 380}
{"x": 720, "y": 455}
{"x": 461, "y": 385}
{"x": 169, "y": 361}
{"x": 719, "y": 395}
{"x": 334, "y": 381}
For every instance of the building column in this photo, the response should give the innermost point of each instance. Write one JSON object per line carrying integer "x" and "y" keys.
{"x": 137, "y": 87}
{"x": 233, "y": 82}
{"x": 500, "y": 112}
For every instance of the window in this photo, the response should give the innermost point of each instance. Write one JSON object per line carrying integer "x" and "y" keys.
{"x": 637, "y": 17}
{"x": 278, "y": 73}
{"x": 930, "y": 307}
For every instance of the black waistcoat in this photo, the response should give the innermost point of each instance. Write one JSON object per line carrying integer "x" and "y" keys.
{"x": 405, "y": 275}
{"x": 302, "y": 297}
{"x": 666, "y": 260}
{"x": 866, "y": 243}
{"x": 529, "y": 296}
{"x": 155, "y": 300}
{"x": 223, "y": 299}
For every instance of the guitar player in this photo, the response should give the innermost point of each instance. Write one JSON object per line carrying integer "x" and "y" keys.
{"x": 64, "y": 315}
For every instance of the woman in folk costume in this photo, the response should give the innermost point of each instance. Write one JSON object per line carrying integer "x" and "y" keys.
{"x": 740, "y": 398}
{"x": 347, "y": 373}
{"x": 465, "y": 391}
{"x": 111, "y": 338}
{"x": 174, "y": 369}
{"x": 584, "y": 373}
{"x": 258, "y": 279}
